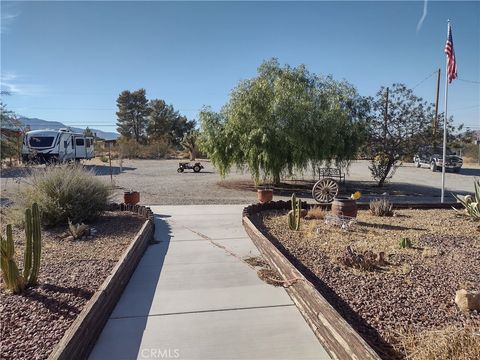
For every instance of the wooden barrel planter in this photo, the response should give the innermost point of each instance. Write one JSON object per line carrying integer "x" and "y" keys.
{"x": 344, "y": 206}
{"x": 131, "y": 197}
{"x": 264, "y": 195}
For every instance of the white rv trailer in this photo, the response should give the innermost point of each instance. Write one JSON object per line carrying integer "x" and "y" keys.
{"x": 50, "y": 146}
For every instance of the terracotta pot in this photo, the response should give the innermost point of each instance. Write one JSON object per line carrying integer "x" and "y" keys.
{"x": 131, "y": 197}
{"x": 264, "y": 195}
{"x": 344, "y": 206}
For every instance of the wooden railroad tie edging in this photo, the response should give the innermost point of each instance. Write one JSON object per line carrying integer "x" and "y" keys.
{"x": 79, "y": 339}
{"x": 339, "y": 339}
{"x": 337, "y": 336}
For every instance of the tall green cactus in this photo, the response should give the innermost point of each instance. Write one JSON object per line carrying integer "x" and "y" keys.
{"x": 36, "y": 248}
{"x": 27, "y": 259}
{"x": 11, "y": 276}
{"x": 295, "y": 214}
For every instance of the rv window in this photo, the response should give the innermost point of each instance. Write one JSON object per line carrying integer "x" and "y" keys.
{"x": 79, "y": 142}
{"x": 41, "y": 141}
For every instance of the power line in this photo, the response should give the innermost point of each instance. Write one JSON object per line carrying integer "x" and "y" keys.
{"x": 469, "y": 81}
{"x": 428, "y": 77}
{"x": 80, "y": 108}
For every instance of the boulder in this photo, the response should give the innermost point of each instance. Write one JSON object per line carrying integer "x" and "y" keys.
{"x": 467, "y": 300}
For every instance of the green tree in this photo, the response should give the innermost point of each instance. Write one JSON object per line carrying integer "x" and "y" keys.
{"x": 165, "y": 122}
{"x": 190, "y": 143}
{"x": 400, "y": 131}
{"x": 9, "y": 132}
{"x": 88, "y": 132}
{"x": 160, "y": 119}
{"x": 132, "y": 114}
{"x": 284, "y": 119}
{"x": 179, "y": 128}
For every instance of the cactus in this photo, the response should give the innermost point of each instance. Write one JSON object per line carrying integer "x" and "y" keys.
{"x": 27, "y": 259}
{"x": 405, "y": 243}
{"x": 11, "y": 276}
{"x": 36, "y": 245}
{"x": 295, "y": 214}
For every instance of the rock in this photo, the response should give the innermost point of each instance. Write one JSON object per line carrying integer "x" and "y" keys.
{"x": 467, "y": 300}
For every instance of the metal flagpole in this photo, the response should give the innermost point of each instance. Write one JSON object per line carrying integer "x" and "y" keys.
{"x": 445, "y": 120}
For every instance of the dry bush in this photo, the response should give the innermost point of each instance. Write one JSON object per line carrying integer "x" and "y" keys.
{"x": 381, "y": 207}
{"x": 470, "y": 153}
{"x": 446, "y": 344}
{"x": 316, "y": 212}
{"x": 62, "y": 193}
{"x": 157, "y": 149}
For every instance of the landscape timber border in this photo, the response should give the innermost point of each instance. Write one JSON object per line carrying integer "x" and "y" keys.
{"x": 337, "y": 336}
{"x": 79, "y": 339}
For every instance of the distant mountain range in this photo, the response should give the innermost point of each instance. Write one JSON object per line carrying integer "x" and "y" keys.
{"x": 39, "y": 124}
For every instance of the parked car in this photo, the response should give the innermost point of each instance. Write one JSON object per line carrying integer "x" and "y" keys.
{"x": 433, "y": 158}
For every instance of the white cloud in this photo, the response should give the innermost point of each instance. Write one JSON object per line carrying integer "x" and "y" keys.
{"x": 424, "y": 15}
{"x": 15, "y": 85}
{"x": 8, "y": 15}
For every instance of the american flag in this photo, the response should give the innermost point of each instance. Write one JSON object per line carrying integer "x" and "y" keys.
{"x": 451, "y": 62}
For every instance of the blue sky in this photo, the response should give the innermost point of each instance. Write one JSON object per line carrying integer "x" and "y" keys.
{"x": 68, "y": 61}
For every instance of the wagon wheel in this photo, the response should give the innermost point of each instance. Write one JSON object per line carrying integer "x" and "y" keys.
{"x": 325, "y": 190}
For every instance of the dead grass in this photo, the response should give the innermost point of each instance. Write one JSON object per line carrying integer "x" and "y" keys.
{"x": 264, "y": 271}
{"x": 316, "y": 212}
{"x": 446, "y": 344}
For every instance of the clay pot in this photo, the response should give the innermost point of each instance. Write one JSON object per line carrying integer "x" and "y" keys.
{"x": 131, "y": 197}
{"x": 264, "y": 195}
{"x": 344, "y": 206}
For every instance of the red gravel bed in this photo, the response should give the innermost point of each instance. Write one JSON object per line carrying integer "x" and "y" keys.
{"x": 415, "y": 294}
{"x": 71, "y": 271}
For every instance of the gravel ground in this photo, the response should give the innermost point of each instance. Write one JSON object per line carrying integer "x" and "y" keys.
{"x": 70, "y": 273}
{"x": 414, "y": 293}
{"x": 159, "y": 183}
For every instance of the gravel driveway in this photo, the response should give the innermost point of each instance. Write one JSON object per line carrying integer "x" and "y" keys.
{"x": 160, "y": 184}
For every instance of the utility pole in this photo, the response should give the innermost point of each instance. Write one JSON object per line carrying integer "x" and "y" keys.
{"x": 435, "y": 119}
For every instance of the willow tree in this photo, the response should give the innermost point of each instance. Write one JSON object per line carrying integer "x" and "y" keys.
{"x": 284, "y": 119}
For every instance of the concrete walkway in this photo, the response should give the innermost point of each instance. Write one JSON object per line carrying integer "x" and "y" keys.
{"x": 189, "y": 299}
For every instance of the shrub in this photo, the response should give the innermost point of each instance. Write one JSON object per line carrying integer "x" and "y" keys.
{"x": 156, "y": 149}
{"x": 381, "y": 207}
{"x": 62, "y": 193}
{"x": 316, "y": 212}
{"x": 448, "y": 343}
{"x": 471, "y": 203}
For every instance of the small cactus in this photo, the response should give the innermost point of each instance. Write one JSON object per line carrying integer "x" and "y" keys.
{"x": 405, "y": 243}
{"x": 294, "y": 216}
{"x": 11, "y": 276}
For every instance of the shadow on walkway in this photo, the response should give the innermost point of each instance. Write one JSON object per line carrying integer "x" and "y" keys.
{"x": 136, "y": 300}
